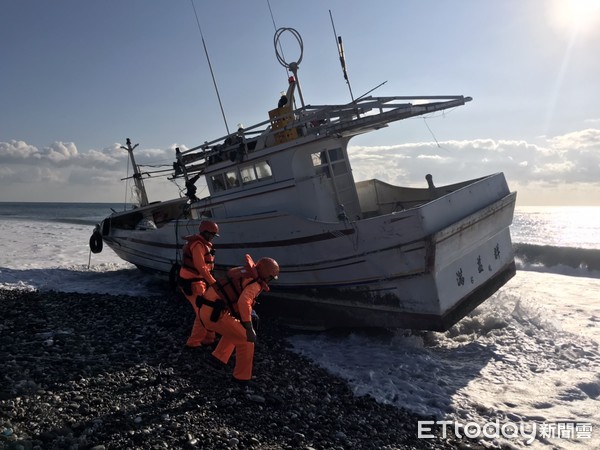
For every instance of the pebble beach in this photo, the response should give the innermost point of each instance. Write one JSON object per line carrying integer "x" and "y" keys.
{"x": 111, "y": 372}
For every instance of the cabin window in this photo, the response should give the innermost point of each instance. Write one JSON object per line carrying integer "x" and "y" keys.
{"x": 223, "y": 181}
{"x": 335, "y": 154}
{"x": 232, "y": 179}
{"x": 318, "y": 158}
{"x": 263, "y": 169}
{"x": 247, "y": 174}
{"x": 339, "y": 168}
{"x": 255, "y": 172}
{"x": 218, "y": 182}
{"x": 334, "y": 158}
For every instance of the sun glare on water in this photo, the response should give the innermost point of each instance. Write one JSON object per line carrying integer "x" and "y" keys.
{"x": 576, "y": 16}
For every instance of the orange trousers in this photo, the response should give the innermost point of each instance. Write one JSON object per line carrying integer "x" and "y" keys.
{"x": 233, "y": 337}
{"x": 199, "y": 335}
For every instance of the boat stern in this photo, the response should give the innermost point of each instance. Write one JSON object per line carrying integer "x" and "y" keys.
{"x": 467, "y": 274}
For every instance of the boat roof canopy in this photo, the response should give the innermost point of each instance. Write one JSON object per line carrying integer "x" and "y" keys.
{"x": 286, "y": 124}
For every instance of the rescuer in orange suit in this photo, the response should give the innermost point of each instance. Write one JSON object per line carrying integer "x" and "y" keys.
{"x": 227, "y": 309}
{"x": 195, "y": 276}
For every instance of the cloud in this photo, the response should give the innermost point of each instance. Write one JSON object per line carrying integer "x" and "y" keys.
{"x": 562, "y": 162}
{"x": 15, "y": 151}
{"x": 578, "y": 140}
{"x": 66, "y": 154}
{"x": 63, "y": 154}
{"x": 60, "y": 172}
{"x": 570, "y": 158}
{"x": 60, "y": 152}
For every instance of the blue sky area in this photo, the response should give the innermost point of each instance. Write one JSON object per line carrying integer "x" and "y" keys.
{"x": 79, "y": 77}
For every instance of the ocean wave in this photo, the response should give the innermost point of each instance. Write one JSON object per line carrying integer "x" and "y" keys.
{"x": 77, "y": 221}
{"x": 570, "y": 261}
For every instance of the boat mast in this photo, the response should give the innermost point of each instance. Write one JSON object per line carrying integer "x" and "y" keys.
{"x": 137, "y": 175}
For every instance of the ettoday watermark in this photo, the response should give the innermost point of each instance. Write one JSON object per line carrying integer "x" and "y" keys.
{"x": 495, "y": 430}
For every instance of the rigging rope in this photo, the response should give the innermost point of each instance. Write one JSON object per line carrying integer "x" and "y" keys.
{"x": 210, "y": 67}
{"x": 433, "y": 135}
{"x": 287, "y": 72}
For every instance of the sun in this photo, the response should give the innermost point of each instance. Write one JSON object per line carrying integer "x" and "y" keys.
{"x": 575, "y": 16}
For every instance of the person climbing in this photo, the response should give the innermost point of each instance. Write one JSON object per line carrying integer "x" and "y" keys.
{"x": 227, "y": 308}
{"x": 195, "y": 276}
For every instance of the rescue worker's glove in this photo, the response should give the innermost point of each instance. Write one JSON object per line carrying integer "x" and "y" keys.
{"x": 250, "y": 333}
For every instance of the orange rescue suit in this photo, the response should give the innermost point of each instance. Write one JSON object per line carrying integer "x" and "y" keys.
{"x": 234, "y": 335}
{"x": 195, "y": 276}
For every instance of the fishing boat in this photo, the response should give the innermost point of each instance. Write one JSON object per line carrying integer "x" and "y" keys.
{"x": 352, "y": 254}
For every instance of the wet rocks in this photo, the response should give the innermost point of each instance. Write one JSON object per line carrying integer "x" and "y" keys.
{"x": 110, "y": 372}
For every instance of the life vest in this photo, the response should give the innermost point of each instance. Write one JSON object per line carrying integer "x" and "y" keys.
{"x": 230, "y": 287}
{"x": 189, "y": 274}
{"x": 188, "y": 267}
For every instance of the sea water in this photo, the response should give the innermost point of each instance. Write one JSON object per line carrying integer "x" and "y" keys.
{"x": 521, "y": 370}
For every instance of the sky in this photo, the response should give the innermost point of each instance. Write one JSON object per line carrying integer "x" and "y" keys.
{"x": 79, "y": 77}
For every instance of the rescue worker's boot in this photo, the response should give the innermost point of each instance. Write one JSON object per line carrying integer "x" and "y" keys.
{"x": 251, "y": 384}
{"x": 216, "y": 364}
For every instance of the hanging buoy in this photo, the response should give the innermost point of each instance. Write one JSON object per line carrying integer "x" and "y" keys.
{"x": 96, "y": 242}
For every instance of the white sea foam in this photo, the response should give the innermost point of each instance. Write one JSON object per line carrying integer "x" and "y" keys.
{"x": 528, "y": 354}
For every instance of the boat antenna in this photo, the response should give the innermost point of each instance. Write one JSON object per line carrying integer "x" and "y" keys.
{"x": 371, "y": 90}
{"x": 279, "y": 43}
{"x": 340, "y": 47}
{"x": 210, "y": 67}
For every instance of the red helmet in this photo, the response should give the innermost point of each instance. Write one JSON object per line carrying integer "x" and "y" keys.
{"x": 209, "y": 226}
{"x": 267, "y": 269}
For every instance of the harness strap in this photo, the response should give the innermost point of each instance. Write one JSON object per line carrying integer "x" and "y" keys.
{"x": 203, "y": 301}
{"x": 218, "y": 306}
{"x": 193, "y": 280}
{"x": 185, "y": 284}
{"x": 228, "y": 301}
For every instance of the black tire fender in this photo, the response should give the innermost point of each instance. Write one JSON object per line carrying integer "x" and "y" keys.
{"x": 96, "y": 242}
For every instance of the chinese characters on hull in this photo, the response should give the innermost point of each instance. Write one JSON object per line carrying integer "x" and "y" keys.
{"x": 460, "y": 278}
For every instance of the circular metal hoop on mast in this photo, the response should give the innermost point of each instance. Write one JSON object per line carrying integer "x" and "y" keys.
{"x": 292, "y": 66}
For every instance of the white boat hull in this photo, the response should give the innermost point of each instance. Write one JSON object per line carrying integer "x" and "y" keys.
{"x": 421, "y": 268}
